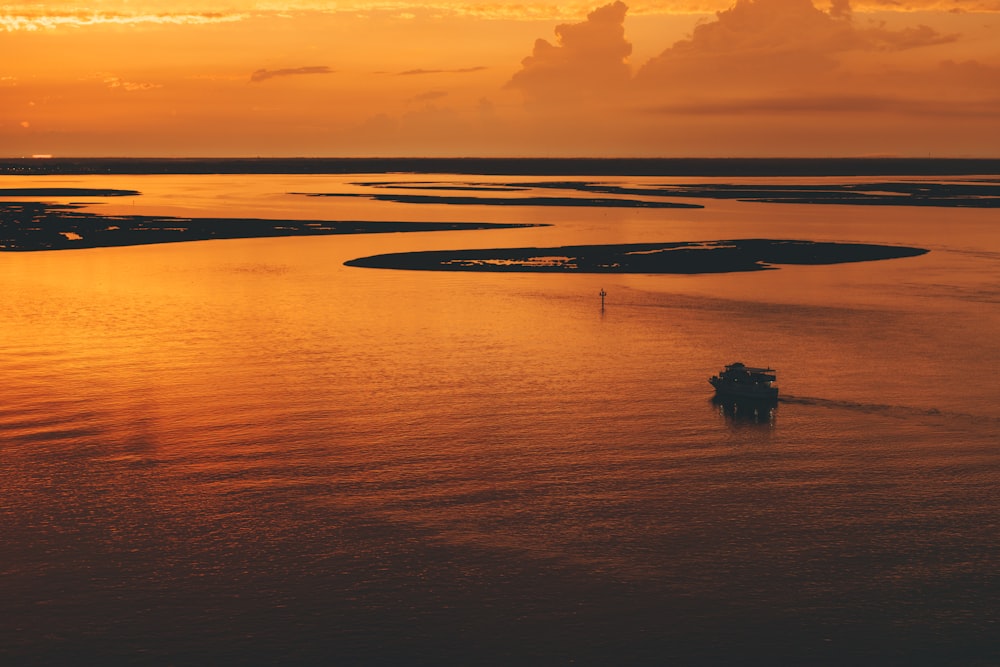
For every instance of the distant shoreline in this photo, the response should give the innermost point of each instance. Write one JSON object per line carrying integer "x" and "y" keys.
{"x": 33, "y": 226}
{"x": 710, "y": 167}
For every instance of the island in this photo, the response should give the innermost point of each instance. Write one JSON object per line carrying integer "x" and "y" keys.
{"x": 28, "y": 226}
{"x": 680, "y": 257}
{"x": 981, "y": 193}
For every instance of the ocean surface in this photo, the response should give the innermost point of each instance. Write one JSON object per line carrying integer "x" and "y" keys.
{"x": 245, "y": 452}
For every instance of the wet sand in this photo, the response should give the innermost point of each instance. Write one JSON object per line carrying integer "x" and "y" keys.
{"x": 688, "y": 258}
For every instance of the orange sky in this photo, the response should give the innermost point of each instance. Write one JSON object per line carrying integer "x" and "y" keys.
{"x": 658, "y": 78}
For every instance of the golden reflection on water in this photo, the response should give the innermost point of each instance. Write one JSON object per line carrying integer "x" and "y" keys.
{"x": 221, "y": 430}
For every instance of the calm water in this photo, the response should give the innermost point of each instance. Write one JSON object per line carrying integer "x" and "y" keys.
{"x": 244, "y": 452}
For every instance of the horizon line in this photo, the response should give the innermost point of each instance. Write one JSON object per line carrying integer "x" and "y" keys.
{"x": 878, "y": 156}
{"x": 509, "y": 166}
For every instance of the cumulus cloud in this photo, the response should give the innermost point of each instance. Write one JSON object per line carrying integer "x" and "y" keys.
{"x": 758, "y": 39}
{"x": 756, "y": 74}
{"x": 779, "y": 44}
{"x": 588, "y": 59}
{"x": 840, "y": 8}
{"x": 265, "y": 74}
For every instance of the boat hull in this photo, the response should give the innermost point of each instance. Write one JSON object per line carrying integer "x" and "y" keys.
{"x": 744, "y": 390}
{"x": 746, "y": 410}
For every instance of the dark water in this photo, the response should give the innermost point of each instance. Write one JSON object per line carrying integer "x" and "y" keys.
{"x": 245, "y": 452}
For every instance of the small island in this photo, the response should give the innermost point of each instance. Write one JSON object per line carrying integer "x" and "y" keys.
{"x": 681, "y": 258}
{"x": 470, "y": 200}
{"x": 67, "y": 192}
{"x": 983, "y": 193}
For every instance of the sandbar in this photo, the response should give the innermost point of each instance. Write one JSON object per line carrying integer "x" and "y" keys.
{"x": 981, "y": 194}
{"x": 66, "y": 192}
{"x": 28, "y": 226}
{"x": 650, "y": 258}
{"x": 452, "y": 200}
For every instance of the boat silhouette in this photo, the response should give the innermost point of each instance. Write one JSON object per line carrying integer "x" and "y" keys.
{"x": 738, "y": 380}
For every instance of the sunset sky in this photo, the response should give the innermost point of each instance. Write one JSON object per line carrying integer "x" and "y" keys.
{"x": 440, "y": 78}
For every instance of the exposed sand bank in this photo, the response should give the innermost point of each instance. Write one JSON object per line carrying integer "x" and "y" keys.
{"x": 66, "y": 192}
{"x": 983, "y": 193}
{"x": 692, "y": 257}
{"x": 40, "y": 226}
{"x": 589, "y": 202}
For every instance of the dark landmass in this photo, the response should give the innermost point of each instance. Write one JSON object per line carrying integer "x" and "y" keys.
{"x": 963, "y": 195}
{"x": 512, "y": 166}
{"x": 423, "y": 185}
{"x": 66, "y": 192}
{"x": 688, "y": 257}
{"x": 38, "y": 226}
{"x": 590, "y": 202}
{"x": 951, "y": 195}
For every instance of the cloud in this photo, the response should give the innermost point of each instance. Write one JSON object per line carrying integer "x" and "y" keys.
{"x": 840, "y": 8}
{"x": 971, "y": 72}
{"x": 463, "y": 70}
{"x": 757, "y": 40}
{"x": 430, "y": 95}
{"x": 914, "y": 37}
{"x": 34, "y": 21}
{"x": 930, "y": 5}
{"x": 832, "y": 104}
{"x": 265, "y": 74}
{"x": 57, "y": 14}
{"x": 782, "y": 43}
{"x": 762, "y": 77}
{"x": 588, "y": 59}
{"x": 116, "y": 82}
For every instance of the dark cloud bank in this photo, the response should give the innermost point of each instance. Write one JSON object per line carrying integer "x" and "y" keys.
{"x": 265, "y": 74}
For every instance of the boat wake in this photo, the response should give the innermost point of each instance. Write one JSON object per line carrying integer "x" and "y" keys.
{"x": 899, "y": 411}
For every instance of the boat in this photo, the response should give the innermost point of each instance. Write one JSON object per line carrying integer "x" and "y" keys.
{"x": 740, "y": 381}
